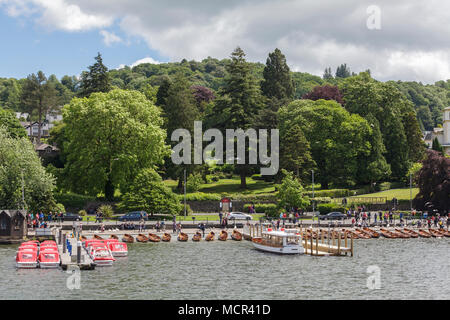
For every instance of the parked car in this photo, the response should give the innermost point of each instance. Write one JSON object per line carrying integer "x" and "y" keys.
{"x": 69, "y": 216}
{"x": 333, "y": 216}
{"x": 134, "y": 216}
{"x": 239, "y": 216}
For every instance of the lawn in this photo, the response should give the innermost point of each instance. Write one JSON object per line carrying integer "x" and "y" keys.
{"x": 230, "y": 186}
{"x": 400, "y": 194}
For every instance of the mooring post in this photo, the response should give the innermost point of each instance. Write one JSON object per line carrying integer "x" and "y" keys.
{"x": 339, "y": 243}
{"x": 64, "y": 243}
{"x": 345, "y": 239}
{"x": 78, "y": 252}
{"x": 317, "y": 244}
{"x": 59, "y": 235}
{"x": 311, "y": 242}
{"x": 351, "y": 246}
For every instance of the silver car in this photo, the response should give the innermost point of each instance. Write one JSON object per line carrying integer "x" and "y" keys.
{"x": 239, "y": 216}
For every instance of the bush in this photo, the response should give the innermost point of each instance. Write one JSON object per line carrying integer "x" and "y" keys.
{"x": 73, "y": 200}
{"x": 332, "y": 193}
{"x": 59, "y": 207}
{"x": 261, "y": 207}
{"x": 106, "y": 210}
{"x": 325, "y": 208}
{"x": 200, "y": 196}
{"x": 194, "y": 182}
{"x": 82, "y": 213}
{"x": 188, "y": 210}
{"x": 215, "y": 178}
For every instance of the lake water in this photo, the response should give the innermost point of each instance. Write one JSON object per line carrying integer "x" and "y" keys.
{"x": 409, "y": 269}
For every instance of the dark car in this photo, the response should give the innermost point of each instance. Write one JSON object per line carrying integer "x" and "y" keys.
{"x": 134, "y": 216}
{"x": 333, "y": 216}
{"x": 69, "y": 216}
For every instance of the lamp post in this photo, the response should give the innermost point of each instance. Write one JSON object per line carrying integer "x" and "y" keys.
{"x": 185, "y": 194}
{"x": 410, "y": 192}
{"x": 312, "y": 173}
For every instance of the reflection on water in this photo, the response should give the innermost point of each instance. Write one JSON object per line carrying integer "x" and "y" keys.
{"x": 410, "y": 269}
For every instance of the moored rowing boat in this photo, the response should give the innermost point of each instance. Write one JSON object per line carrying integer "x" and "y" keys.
{"x": 183, "y": 237}
{"x": 197, "y": 237}
{"x": 142, "y": 238}
{"x": 210, "y": 236}
{"x": 223, "y": 235}
{"x": 166, "y": 237}
{"x": 153, "y": 237}
{"x": 127, "y": 238}
{"x": 236, "y": 235}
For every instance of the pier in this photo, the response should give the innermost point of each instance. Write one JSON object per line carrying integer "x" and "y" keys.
{"x": 71, "y": 254}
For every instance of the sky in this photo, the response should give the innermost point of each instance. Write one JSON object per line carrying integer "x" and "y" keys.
{"x": 396, "y": 40}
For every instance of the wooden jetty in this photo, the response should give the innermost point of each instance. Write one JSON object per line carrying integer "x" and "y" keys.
{"x": 71, "y": 259}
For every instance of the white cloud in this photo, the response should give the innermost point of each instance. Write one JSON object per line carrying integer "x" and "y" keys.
{"x": 411, "y": 45}
{"x": 110, "y": 38}
{"x": 140, "y": 61}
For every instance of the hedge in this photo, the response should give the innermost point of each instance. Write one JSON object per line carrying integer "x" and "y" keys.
{"x": 332, "y": 193}
{"x": 73, "y": 200}
{"x": 261, "y": 207}
{"x": 325, "y": 208}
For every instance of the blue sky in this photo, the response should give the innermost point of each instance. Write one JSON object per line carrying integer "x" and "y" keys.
{"x": 29, "y": 48}
{"x": 397, "y": 40}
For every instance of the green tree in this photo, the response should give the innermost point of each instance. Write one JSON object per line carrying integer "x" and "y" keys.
{"x": 10, "y": 90}
{"x": 436, "y": 146}
{"x": 9, "y": 121}
{"x": 295, "y": 152}
{"x": 384, "y": 103}
{"x": 291, "y": 193}
{"x": 327, "y": 74}
{"x": 240, "y": 99}
{"x": 18, "y": 160}
{"x": 337, "y": 138}
{"x": 110, "y": 137}
{"x": 416, "y": 147}
{"x": 343, "y": 71}
{"x": 39, "y": 96}
{"x": 180, "y": 111}
{"x": 148, "y": 192}
{"x": 277, "y": 82}
{"x": 96, "y": 80}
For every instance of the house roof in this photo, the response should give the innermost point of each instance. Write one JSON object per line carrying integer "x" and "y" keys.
{"x": 44, "y": 146}
{"x": 12, "y": 213}
{"x": 428, "y": 135}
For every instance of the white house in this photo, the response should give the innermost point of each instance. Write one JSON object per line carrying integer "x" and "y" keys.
{"x": 443, "y": 134}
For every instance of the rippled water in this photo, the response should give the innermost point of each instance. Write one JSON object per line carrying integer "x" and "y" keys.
{"x": 410, "y": 269}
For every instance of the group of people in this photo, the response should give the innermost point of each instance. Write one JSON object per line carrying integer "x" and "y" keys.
{"x": 41, "y": 220}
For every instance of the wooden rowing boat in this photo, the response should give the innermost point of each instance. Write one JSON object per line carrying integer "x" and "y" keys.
{"x": 388, "y": 234}
{"x": 210, "y": 236}
{"x": 197, "y": 237}
{"x": 166, "y": 237}
{"x": 113, "y": 236}
{"x": 410, "y": 234}
{"x": 141, "y": 238}
{"x": 98, "y": 237}
{"x": 402, "y": 234}
{"x": 424, "y": 234}
{"x": 236, "y": 235}
{"x": 435, "y": 233}
{"x": 413, "y": 233}
{"x": 83, "y": 238}
{"x": 153, "y": 237}
{"x": 183, "y": 237}
{"x": 445, "y": 233}
{"x": 372, "y": 232}
{"x": 351, "y": 233}
{"x": 362, "y": 234}
{"x": 128, "y": 238}
{"x": 223, "y": 235}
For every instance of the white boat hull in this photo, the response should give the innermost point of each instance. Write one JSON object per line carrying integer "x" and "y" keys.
{"x": 119, "y": 253}
{"x": 103, "y": 263}
{"x": 26, "y": 265}
{"x": 290, "y": 249}
{"x": 49, "y": 265}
